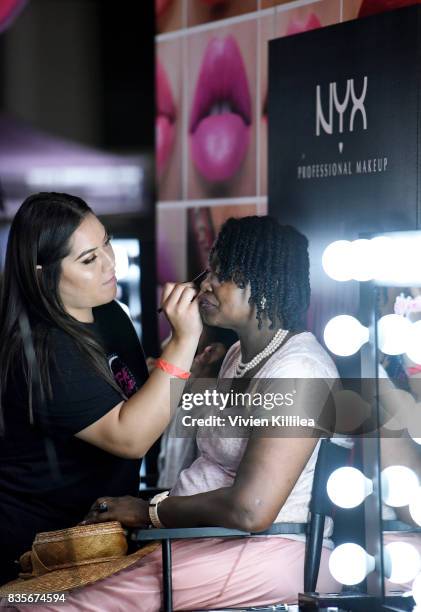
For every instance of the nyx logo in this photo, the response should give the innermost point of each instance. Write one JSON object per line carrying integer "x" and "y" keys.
{"x": 341, "y": 107}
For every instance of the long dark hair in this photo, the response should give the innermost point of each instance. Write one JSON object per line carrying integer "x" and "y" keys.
{"x": 273, "y": 258}
{"x": 40, "y": 236}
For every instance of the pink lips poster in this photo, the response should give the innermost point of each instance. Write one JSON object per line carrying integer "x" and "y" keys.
{"x": 221, "y": 112}
{"x": 211, "y": 85}
{"x": 221, "y": 116}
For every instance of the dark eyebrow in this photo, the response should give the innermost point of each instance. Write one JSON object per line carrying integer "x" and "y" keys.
{"x": 91, "y": 250}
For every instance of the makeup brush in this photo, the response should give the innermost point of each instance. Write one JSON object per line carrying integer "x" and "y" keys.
{"x": 196, "y": 281}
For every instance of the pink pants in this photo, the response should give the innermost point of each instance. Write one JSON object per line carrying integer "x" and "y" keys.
{"x": 206, "y": 573}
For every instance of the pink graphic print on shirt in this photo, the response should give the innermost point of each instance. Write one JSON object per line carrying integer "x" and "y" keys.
{"x": 122, "y": 375}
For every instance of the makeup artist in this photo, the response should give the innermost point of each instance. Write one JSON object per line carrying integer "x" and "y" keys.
{"x": 77, "y": 410}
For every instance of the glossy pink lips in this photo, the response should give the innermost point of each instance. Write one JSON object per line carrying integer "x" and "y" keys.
{"x": 165, "y": 119}
{"x": 220, "y": 118}
{"x": 295, "y": 26}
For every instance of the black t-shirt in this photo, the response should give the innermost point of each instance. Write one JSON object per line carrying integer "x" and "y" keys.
{"x": 48, "y": 477}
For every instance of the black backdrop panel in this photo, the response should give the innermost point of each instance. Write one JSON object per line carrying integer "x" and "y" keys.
{"x": 343, "y": 138}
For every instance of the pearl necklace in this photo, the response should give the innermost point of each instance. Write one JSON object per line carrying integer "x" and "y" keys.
{"x": 278, "y": 338}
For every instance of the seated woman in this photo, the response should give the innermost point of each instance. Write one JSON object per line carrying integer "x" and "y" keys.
{"x": 258, "y": 286}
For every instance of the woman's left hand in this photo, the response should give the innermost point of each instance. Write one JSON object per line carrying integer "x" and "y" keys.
{"x": 129, "y": 511}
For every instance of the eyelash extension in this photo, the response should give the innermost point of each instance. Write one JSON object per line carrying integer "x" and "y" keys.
{"x": 106, "y": 243}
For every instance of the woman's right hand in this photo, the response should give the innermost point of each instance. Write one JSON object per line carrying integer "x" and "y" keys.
{"x": 129, "y": 511}
{"x": 182, "y": 310}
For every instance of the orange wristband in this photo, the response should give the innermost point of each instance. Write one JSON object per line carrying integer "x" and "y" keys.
{"x": 171, "y": 369}
{"x": 413, "y": 370}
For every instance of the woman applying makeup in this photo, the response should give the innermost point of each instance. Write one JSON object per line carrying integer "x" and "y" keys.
{"x": 258, "y": 286}
{"x": 97, "y": 413}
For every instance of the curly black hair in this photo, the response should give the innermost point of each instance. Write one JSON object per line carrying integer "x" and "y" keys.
{"x": 273, "y": 258}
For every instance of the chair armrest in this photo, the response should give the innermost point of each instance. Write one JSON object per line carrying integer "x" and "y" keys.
{"x": 188, "y": 533}
{"x": 178, "y": 533}
{"x": 284, "y": 529}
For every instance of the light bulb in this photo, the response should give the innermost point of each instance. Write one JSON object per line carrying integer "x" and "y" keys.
{"x": 415, "y": 508}
{"x": 416, "y": 590}
{"x": 349, "y": 564}
{"x": 393, "y": 334}
{"x": 336, "y": 260}
{"x": 362, "y": 261}
{"x": 398, "y": 484}
{"x": 402, "y": 562}
{"x": 347, "y": 487}
{"x": 344, "y": 335}
{"x": 413, "y": 345}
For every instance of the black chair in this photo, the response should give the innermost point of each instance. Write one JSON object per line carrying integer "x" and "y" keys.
{"x": 330, "y": 457}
